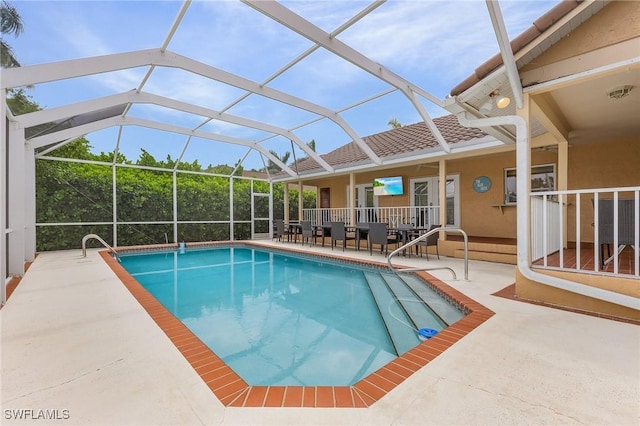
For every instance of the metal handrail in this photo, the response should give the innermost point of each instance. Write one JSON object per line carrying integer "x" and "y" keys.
{"x": 425, "y": 236}
{"x": 95, "y": 237}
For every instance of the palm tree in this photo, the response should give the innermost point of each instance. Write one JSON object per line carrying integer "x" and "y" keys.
{"x": 394, "y": 123}
{"x": 312, "y": 145}
{"x": 10, "y": 23}
{"x": 273, "y": 167}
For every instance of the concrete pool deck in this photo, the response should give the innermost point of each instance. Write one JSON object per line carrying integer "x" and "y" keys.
{"x": 78, "y": 348}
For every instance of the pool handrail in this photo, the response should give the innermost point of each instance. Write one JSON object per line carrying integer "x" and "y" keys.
{"x": 95, "y": 237}
{"x": 425, "y": 236}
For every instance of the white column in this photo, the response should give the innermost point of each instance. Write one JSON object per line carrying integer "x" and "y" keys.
{"x": 114, "y": 206}
{"x": 286, "y": 203}
{"x": 352, "y": 198}
{"x": 300, "y": 199}
{"x": 30, "y": 204}
{"x": 442, "y": 196}
{"x": 523, "y": 184}
{"x": 231, "y": 227}
{"x": 175, "y": 207}
{"x": 3, "y": 201}
{"x": 17, "y": 196}
{"x": 563, "y": 169}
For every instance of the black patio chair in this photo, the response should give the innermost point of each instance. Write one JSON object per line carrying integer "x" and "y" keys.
{"x": 431, "y": 240}
{"x": 307, "y": 232}
{"x": 362, "y": 233}
{"x": 379, "y": 234}
{"x": 281, "y": 231}
{"x": 339, "y": 233}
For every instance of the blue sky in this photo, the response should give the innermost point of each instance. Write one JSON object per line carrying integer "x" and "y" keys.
{"x": 433, "y": 44}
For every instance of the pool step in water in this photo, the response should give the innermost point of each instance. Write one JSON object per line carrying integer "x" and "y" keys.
{"x": 402, "y": 331}
{"x": 445, "y": 310}
{"x": 420, "y": 314}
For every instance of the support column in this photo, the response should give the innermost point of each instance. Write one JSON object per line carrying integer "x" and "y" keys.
{"x": 442, "y": 195}
{"x": 231, "y": 217}
{"x": 30, "y": 204}
{"x": 114, "y": 206}
{"x": 286, "y": 202}
{"x": 563, "y": 169}
{"x": 523, "y": 176}
{"x": 17, "y": 195}
{"x": 300, "y": 200}
{"x": 175, "y": 206}
{"x": 352, "y": 199}
{"x": 4, "y": 143}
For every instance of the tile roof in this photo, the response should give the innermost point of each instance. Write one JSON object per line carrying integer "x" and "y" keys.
{"x": 395, "y": 142}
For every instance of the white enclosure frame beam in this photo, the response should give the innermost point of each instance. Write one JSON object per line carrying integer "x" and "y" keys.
{"x": 41, "y": 141}
{"x": 34, "y": 74}
{"x": 70, "y": 110}
{"x": 505, "y": 50}
{"x": 310, "y": 50}
{"x": 289, "y": 19}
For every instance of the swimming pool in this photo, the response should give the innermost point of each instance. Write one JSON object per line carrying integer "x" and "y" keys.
{"x": 283, "y": 319}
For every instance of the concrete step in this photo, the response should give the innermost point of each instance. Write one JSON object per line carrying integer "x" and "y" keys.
{"x": 493, "y": 248}
{"x": 487, "y": 256}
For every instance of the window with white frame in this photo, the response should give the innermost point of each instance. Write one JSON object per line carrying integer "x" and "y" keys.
{"x": 543, "y": 178}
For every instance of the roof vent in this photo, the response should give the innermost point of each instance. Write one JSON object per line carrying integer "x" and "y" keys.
{"x": 619, "y": 92}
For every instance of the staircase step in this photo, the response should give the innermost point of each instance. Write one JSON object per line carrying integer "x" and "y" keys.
{"x": 493, "y": 248}
{"x": 488, "y": 256}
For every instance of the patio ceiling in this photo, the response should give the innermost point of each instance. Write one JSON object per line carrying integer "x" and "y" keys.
{"x": 249, "y": 112}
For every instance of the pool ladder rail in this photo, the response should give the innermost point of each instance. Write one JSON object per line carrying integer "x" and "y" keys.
{"x": 95, "y": 237}
{"x": 424, "y": 237}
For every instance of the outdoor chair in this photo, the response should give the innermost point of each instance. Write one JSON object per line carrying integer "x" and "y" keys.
{"x": 379, "y": 234}
{"x": 307, "y": 232}
{"x": 339, "y": 233}
{"x": 431, "y": 240}
{"x": 626, "y": 225}
{"x": 362, "y": 233}
{"x": 281, "y": 231}
{"x": 405, "y": 232}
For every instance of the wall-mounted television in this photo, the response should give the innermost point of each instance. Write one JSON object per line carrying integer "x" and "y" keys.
{"x": 388, "y": 186}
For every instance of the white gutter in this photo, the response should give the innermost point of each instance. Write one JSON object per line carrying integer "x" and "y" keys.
{"x": 522, "y": 188}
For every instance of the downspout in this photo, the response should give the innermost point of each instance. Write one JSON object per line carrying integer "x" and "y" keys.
{"x": 522, "y": 187}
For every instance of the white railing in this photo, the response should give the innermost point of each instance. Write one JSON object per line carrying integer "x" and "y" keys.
{"x": 418, "y": 216}
{"x": 602, "y": 228}
{"x": 546, "y": 227}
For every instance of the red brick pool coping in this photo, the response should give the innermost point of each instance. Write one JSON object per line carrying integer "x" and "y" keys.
{"x": 233, "y": 391}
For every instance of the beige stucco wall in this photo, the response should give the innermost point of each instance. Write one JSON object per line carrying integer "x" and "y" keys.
{"x": 609, "y": 163}
{"x": 483, "y": 214}
{"x": 535, "y": 291}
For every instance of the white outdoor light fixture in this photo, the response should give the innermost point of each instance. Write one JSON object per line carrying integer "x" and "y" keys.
{"x": 500, "y": 101}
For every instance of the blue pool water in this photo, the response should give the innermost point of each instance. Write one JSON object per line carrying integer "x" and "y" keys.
{"x": 279, "y": 319}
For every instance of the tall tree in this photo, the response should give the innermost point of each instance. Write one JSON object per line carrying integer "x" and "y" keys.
{"x": 10, "y": 23}
{"x": 273, "y": 167}
{"x": 394, "y": 123}
{"x": 312, "y": 145}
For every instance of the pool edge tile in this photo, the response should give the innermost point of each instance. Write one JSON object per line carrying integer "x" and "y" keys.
{"x": 232, "y": 391}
